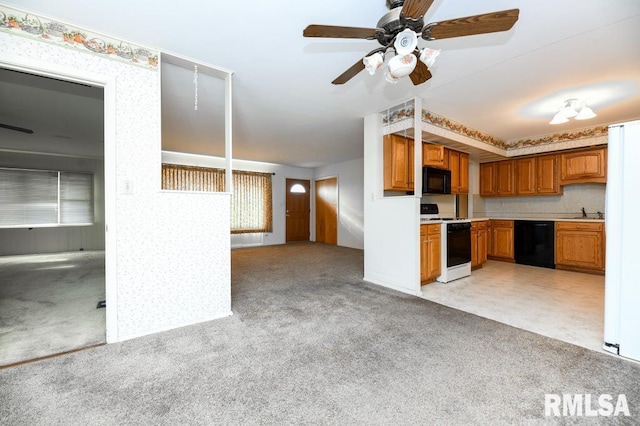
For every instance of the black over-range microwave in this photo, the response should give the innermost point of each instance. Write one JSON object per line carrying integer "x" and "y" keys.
{"x": 436, "y": 181}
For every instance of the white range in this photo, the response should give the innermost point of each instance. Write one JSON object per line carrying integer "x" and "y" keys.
{"x": 456, "y": 243}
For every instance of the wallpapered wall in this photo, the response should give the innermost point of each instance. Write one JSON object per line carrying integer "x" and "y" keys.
{"x": 173, "y": 261}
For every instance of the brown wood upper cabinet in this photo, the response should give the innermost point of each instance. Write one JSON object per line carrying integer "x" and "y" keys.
{"x": 398, "y": 163}
{"x": 589, "y": 166}
{"x": 526, "y": 176}
{"x": 497, "y": 178}
{"x": 537, "y": 175}
{"x": 488, "y": 179}
{"x": 505, "y": 178}
{"x": 459, "y": 166}
{"x": 434, "y": 156}
{"x": 547, "y": 175}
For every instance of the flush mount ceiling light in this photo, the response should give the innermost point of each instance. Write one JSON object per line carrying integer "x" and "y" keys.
{"x": 573, "y": 108}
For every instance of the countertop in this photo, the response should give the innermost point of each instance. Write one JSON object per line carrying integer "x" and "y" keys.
{"x": 554, "y": 219}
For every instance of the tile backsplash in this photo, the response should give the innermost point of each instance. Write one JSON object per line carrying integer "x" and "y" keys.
{"x": 568, "y": 205}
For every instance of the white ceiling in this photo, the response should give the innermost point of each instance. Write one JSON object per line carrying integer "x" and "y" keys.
{"x": 286, "y": 110}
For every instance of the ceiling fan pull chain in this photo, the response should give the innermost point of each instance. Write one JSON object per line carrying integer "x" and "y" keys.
{"x": 195, "y": 84}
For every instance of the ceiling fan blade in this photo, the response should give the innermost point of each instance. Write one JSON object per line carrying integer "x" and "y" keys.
{"x": 350, "y": 73}
{"x": 420, "y": 74}
{"x": 17, "y": 129}
{"x": 356, "y": 68}
{"x": 332, "y": 31}
{"x": 471, "y": 25}
{"x": 416, "y": 9}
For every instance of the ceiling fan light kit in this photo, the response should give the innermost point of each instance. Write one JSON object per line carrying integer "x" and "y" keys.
{"x": 399, "y": 30}
{"x": 406, "y": 42}
{"x": 402, "y": 65}
{"x": 373, "y": 62}
{"x": 573, "y": 108}
{"x": 390, "y": 78}
{"x": 428, "y": 56}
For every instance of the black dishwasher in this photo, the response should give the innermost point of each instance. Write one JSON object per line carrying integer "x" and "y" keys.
{"x": 534, "y": 243}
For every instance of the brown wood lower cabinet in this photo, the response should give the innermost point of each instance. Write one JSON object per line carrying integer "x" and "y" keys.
{"x": 580, "y": 246}
{"x": 479, "y": 243}
{"x": 501, "y": 240}
{"x": 430, "y": 243}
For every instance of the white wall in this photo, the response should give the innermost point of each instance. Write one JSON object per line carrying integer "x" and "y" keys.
{"x": 350, "y": 176}
{"x": 391, "y": 224}
{"x": 56, "y": 239}
{"x": 278, "y": 236}
{"x": 167, "y": 255}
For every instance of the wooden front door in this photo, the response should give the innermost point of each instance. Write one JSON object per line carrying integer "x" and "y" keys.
{"x": 327, "y": 211}
{"x": 298, "y": 210}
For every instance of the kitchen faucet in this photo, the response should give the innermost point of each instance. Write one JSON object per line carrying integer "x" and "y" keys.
{"x": 584, "y": 213}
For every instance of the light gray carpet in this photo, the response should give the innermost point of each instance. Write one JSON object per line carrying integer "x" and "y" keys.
{"x": 310, "y": 343}
{"x": 48, "y": 304}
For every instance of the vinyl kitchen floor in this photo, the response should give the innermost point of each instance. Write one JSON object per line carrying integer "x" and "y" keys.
{"x": 564, "y": 305}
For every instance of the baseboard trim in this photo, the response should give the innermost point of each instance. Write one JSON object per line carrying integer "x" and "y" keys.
{"x": 42, "y": 358}
{"x": 393, "y": 286}
{"x": 172, "y": 327}
{"x": 583, "y": 270}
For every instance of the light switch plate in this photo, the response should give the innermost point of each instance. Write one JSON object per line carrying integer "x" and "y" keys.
{"x": 126, "y": 187}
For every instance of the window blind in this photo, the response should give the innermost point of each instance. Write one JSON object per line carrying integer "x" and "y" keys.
{"x": 45, "y": 198}
{"x": 76, "y": 198}
{"x": 252, "y": 200}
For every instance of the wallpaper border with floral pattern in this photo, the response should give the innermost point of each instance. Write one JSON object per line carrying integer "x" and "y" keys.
{"x": 407, "y": 111}
{"x": 38, "y": 27}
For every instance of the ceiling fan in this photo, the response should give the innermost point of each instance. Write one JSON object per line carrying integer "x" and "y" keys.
{"x": 399, "y": 29}
{"x": 16, "y": 128}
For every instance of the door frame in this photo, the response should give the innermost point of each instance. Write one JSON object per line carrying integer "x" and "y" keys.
{"x": 311, "y": 206}
{"x": 108, "y": 83}
{"x": 315, "y": 206}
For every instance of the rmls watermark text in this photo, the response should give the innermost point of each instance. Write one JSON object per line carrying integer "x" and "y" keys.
{"x": 586, "y": 405}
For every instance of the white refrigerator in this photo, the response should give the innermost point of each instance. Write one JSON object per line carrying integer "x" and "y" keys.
{"x": 622, "y": 279}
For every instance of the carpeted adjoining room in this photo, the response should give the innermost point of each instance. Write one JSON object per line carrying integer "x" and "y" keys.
{"x": 311, "y": 342}
{"x": 49, "y": 304}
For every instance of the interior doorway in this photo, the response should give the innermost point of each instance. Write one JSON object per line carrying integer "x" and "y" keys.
{"x": 298, "y": 210}
{"x": 54, "y": 275}
{"x": 327, "y": 211}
